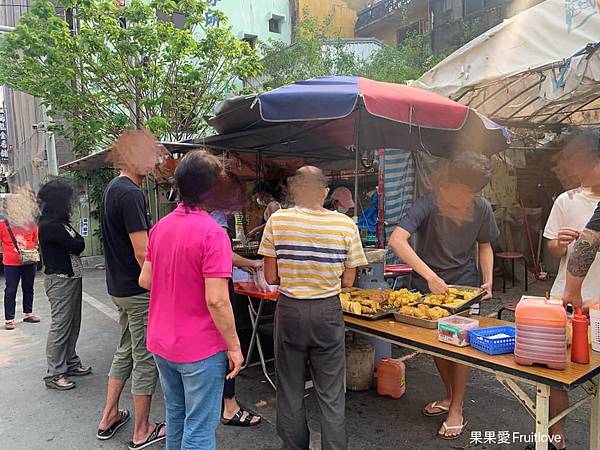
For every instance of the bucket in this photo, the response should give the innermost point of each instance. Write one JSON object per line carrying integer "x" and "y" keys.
{"x": 595, "y": 325}
{"x": 360, "y": 362}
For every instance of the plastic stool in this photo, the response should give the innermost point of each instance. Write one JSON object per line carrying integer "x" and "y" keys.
{"x": 508, "y": 307}
{"x": 512, "y": 256}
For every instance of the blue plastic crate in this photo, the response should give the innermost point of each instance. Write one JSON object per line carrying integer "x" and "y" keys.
{"x": 480, "y": 340}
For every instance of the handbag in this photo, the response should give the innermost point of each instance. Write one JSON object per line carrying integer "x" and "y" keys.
{"x": 31, "y": 256}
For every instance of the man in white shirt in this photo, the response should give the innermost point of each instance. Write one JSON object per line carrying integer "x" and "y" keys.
{"x": 570, "y": 214}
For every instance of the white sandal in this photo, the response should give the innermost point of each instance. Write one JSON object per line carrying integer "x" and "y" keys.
{"x": 434, "y": 405}
{"x": 460, "y": 429}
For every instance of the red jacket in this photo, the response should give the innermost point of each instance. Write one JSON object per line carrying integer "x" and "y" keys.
{"x": 27, "y": 238}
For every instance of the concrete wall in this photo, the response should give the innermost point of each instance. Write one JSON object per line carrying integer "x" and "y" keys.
{"x": 414, "y": 15}
{"x": 342, "y": 13}
{"x": 251, "y": 17}
{"x": 452, "y": 22}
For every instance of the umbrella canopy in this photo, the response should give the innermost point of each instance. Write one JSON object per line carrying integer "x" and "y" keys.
{"x": 326, "y": 117}
{"x": 540, "y": 67}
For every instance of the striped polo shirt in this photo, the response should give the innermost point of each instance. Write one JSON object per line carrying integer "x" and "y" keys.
{"x": 313, "y": 248}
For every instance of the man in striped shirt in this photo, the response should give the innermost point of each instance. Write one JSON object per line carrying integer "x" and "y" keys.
{"x": 311, "y": 253}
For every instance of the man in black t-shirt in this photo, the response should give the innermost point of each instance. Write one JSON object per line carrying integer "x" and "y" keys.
{"x": 451, "y": 222}
{"x": 125, "y": 225}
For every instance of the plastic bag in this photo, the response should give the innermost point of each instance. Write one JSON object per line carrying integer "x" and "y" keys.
{"x": 260, "y": 282}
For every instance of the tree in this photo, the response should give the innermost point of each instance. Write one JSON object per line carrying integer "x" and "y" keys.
{"x": 311, "y": 55}
{"x": 407, "y": 62}
{"x": 125, "y": 67}
{"x": 314, "y": 54}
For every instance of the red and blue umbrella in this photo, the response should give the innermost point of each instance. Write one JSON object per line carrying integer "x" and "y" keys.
{"x": 328, "y": 117}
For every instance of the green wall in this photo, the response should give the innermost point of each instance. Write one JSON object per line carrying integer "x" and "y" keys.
{"x": 251, "y": 17}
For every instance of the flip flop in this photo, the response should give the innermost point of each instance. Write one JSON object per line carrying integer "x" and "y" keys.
{"x": 152, "y": 439}
{"x": 110, "y": 431}
{"x": 460, "y": 429}
{"x": 236, "y": 420}
{"x": 442, "y": 410}
{"x": 9, "y": 325}
{"x": 31, "y": 319}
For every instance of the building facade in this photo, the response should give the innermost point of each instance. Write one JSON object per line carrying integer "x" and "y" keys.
{"x": 254, "y": 20}
{"x": 391, "y": 21}
{"x": 341, "y": 14}
{"x": 458, "y": 21}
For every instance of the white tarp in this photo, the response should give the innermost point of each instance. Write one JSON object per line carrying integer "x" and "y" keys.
{"x": 531, "y": 69}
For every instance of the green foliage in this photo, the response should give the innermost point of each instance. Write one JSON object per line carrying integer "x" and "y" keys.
{"x": 404, "y": 63}
{"x": 307, "y": 57}
{"x": 107, "y": 77}
{"x": 313, "y": 54}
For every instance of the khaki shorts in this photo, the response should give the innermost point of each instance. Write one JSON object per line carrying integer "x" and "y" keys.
{"x": 132, "y": 359}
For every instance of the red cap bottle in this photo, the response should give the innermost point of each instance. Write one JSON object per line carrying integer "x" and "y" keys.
{"x": 580, "y": 350}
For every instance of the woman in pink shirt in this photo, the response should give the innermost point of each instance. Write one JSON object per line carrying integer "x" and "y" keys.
{"x": 191, "y": 329}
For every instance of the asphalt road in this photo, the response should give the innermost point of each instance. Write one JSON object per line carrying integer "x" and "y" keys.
{"x": 33, "y": 417}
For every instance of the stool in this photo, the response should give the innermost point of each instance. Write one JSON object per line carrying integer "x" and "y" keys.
{"x": 508, "y": 307}
{"x": 512, "y": 256}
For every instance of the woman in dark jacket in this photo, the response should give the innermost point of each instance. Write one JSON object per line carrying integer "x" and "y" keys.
{"x": 61, "y": 246}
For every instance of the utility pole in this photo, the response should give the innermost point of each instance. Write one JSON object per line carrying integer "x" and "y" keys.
{"x": 50, "y": 144}
{"x": 45, "y": 127}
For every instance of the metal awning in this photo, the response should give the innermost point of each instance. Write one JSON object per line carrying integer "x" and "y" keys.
{"x": 538, "y": 68}
{"x": 101, "y": 159}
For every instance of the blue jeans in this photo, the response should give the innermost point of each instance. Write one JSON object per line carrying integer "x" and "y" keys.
{"x": 193, "y": 394}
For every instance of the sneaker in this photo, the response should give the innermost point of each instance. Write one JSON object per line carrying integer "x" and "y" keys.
{"x": 80, "y": 371}
{"x": 59, "y": 382}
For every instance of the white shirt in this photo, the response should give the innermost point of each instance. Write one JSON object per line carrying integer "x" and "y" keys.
{"x": 573, "y": 209}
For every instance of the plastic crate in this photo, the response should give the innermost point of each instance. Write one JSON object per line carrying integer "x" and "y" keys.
{"x": 480, "y": 339}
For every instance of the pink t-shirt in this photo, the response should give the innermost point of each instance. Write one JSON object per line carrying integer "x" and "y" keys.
{"x": 184, "y": 249}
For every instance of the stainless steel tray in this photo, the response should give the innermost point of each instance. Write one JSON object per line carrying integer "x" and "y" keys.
{"x": 462, "y": 307}
{"x": 416, "y": 321}
{"x": 378, "y": 315}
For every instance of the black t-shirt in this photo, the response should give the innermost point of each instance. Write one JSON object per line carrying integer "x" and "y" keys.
{"x": 594, "y": 223}
{"x": 446, "y": 247}
{"x": 124, "y": 211}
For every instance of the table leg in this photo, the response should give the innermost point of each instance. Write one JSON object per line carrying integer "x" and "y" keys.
{"x": 513, "y": 272}
{"x": 263, "y": 362}
{"x": 526, "y": 275}
{"x": 503, "y": 276}
{"x": 254, "y": 320}
{"x": 595, "y": 417}
{"x": 542, "y": 411}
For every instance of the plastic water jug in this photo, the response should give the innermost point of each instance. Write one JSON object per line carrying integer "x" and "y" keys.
{"x": 541, "y": 338}
{"x": 390, "y": 378}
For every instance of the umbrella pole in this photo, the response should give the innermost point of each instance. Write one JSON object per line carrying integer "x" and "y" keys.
{"x": 356, "y": 161}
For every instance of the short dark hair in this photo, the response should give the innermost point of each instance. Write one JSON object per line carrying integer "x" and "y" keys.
{"x": 55, "y": 200}
{"x": 471, "y": 169}
{"x": 583, "y": 140}
{"x": 196, "y": 175}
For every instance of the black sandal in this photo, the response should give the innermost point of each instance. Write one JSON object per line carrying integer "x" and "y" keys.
{"x": 152, "y": 439}
{"x": 236, "y": 420}
{"x": 110, "y": 431}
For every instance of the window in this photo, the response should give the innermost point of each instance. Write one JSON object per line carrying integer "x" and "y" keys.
{"x": 275, "y": 25}
{"x": 472, "y": 7}
{"x": 250, "y": 39}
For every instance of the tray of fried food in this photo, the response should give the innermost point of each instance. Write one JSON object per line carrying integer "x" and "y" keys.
{"x": 421, "y": 315}
{"x": 369, "y": 303}
{"x": 457, "y": 299}
{"x": 404, "y": 297}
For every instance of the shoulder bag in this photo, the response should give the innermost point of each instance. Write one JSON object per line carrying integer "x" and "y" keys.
{"x": 25, "y": 256}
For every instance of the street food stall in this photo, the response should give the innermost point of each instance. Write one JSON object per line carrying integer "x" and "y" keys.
{"x": 351, "y": 119}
